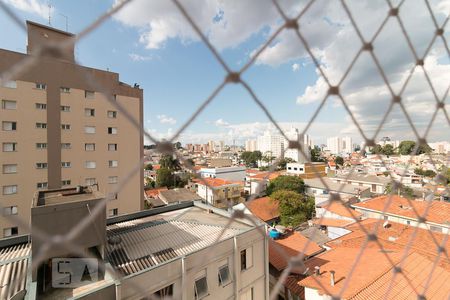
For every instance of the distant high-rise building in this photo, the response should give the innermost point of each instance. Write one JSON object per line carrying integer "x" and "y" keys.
{"x": 59, "y": 131}
{"x": 251, "y": 145}
{"x": 271, "y": 144}
{"x": 347, "y": 144}
{"x": 334, "y": 145}
{"x": 294, "y": 154}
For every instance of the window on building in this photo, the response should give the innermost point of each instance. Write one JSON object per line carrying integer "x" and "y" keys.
{"x": 89, "y": 164}
{"x": 10, "y": 210}
{"x": 247, "y": 295}
{"x": 65, "y": 108}
{"x": 112, "y": 196}
{"x": 41, "y": 185}
{"x": 41, "y": 125}
{"x": 66, "y": 182}
{"x": 11, "y": 231}
{"x": 113, "y": 212}
{"x": 374, "y": 187}
{"x": 41, "y": 106}
{"x": 64, "y": 90}
{"x": 12, "y": 84}
{"x": 201, "y": 286}
{"x": 113, "y": 163}
{"x": 41, "y": 165}
{"x": 164, "y": 293}
{"x": 90, "y": 181}
{"x": 9, "y": 189}
{"x": 9, "y": 126}
{"x": 436, "y": 228}
{"x": 65, "y": 126}
{"x": 41, "y": 145}
{"x": 113, "y": 179}
{"x": 112, "y": 130}
{"x": 9, "y": 147}
{"x": 89, "y": 94}
{"x": 112, "y": 147}
{"x": 112, "y": 114}
{"x": 89, "y": 112}
{"x": 9, "y": 104}
{"x": 385, "y": 218}
{"x": 89, "y": 147}
{"x": 89, "y": 129}
{"x": 66, "y": 146}
{"x": 224, "y": 275}
{"x": 66, "y": 164}
{"x": 9, "y": 168}
{"x": 41, "y": 86}
{"x": 246, "y": 258}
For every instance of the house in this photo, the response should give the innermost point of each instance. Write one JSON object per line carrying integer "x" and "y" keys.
{"x": 393, "y": 208}
{"x": 334, "y": 216}
{"x": 256, "y": 182}
{"x": 377, "y": 184}
{"x": 178, "y": 195}
{"x": 235, "y": 173}
{"x": 218, "y": 192}
{"x": 152, "y": 197}
{"x": 306, "y": 170}
{"x": 265, "y": 208}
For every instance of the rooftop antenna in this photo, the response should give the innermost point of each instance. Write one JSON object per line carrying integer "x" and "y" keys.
{"x": 67, "y": 21}
{"x": 49, "y": 13}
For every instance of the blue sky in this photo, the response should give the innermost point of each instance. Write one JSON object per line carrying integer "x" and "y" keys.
{"x": 159, "y": 51}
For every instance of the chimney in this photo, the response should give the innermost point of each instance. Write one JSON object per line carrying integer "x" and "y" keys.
{"x": 332, "y": 282}
{"x": 316, "y": 270}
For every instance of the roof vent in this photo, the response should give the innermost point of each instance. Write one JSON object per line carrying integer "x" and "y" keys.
{"x": 386, "y": 224}
{"x": 332, "y": 281}
{"x": 316, "y": 270}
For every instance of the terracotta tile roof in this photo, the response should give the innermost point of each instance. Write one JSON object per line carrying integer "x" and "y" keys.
{"x": 156, "y": 167}
{"x": 264, "y": 208}
{"x": 333, "y": 222}
{"x": 291, "y": 283}
{"x": 290, "y": 246}
{"x": 341, "y": 210}
{"x": 154, "y": 192}
{"x": 438, "y": 212}
{"x": 252, "y": 171}
{"x": 266, "y": 175}
{"x": 213, "y": 182}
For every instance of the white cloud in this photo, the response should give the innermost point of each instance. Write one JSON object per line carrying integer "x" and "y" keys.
{"x": 295, "y": 67}
{"x": 31, "y": 6}
{"x": 163, "y": 119}
{"x": 221, "y": 123}
{"x": 138, "y": 57}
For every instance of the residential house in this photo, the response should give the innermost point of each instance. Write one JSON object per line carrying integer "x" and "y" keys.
{"x": 377, "y": 184}
{"x": 218, "y": 192}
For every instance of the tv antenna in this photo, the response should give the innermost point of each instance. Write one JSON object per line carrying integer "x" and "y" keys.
{"x": 49, "y": 13}
{"x": 67, "y": 21}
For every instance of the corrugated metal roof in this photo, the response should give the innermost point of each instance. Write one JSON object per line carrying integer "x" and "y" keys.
{"x": 13, "y": 269}
{"x": 140, "y": 245}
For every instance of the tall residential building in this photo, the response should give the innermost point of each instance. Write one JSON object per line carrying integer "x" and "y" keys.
{"x": 251, "y": 145}
{"x": 347, "y": 144}
{"x": 334, "y": 145}
{"x": 294, "y": 135}
{"x": 271, "y": 144}
{"x": 59, "y": 130}
{"x": 308, "y": 141}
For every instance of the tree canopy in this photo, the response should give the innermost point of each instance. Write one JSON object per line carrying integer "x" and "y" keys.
{"x": 289, "y": 183}
{"x": 251, "y": 158}
{"x": 339, "y": 160}
{"x": 294, "y": 208}
{"x": 407, "y": 148}
{"x": 283, "y": 162}
{"x": 165, "y": 177}
{"x": 316, "y": 155}
{"x": 167, "y": 161}
{"x": 403, "y": 190}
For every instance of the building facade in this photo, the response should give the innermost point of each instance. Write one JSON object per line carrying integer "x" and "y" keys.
{"x": 59, "y": 130}
{"x": 271, "y": 144}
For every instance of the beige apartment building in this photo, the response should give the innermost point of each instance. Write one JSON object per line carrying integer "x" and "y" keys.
{"x": 59, "y": 130}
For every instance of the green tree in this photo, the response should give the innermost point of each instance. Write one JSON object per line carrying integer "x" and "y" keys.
{"x": 177, "y": 145}
{"x": 167, "y": 161}
{"x": 289, "y": 183}
{"x": 282, "y": 163}
{"x": 388, "y": 149}
{"x": 418, "y": 171}
{"x": 429, "y": 173}
{"x": 164, "y": 177}
{"x": 251, "y": 158}
{"x": 294, "y": 208}
{"x": 316, "y": 155}
{"x": 148, "y": 167}
{"x": 424, "y": 149}
{"x": 339, "y": 160}
{"x": 399, "y": 189}
{"x": 406, "y": 147}
{"x": 377, "y": 149}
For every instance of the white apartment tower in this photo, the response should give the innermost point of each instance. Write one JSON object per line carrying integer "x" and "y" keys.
{"x": 347, "y": 144}
{"x": 251, "y": 145}
{"x": 271, "y": 144}
{"x": 294, "y": 135}
{"x": 334, "y": 145}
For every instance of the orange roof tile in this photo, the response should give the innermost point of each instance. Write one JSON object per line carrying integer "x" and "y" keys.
{"x": 264, "y": 208}
{"x": 266, "y": 175}
{"x": 438, "y": 211}
{"x": 341, "y": 210}
{"x": 213, "y": 182}
{"x": 332, "y": 222}
{"x": 154, "y": 192}
{"x": 156, "y": 167}
{"x": 281, "y": 250}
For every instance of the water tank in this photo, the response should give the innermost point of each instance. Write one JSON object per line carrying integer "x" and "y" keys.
{"x": 274, "y": 234}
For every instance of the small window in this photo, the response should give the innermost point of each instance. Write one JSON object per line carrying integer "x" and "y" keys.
{"x": 89, "y": 94}
{"x": 9, "y": 147}
{"x": 112, "y": 196}
{"x": 41, "y": 125}
{"x": 65, "y": 90}
{"x": 164, "y": 293}
{"x": 66, "y": 164}
{"x": 89, "y": 129}
{"x": 9, "y": 189}
{"x": 41, "y": 86}
{"x": 224, "y": 275}
{"x": 41, "y": 145}
{"x": 113, "y": 163}
{"x": 66, "y": 182}
{"x": 90, "y": 164}
{"x": 66, "y": 146}
{"x": 41, "y": 165}
{"x": 9, "y": 168}
{"x": 9, "y": 104}
{"x": 90, "y": 181}
{"x": 65, "y": 126}
{"x": 7, "y": 232}
{"x": 201, "y": 287}
{"x": 436, "y": 228}
{"x": 112, "y": 114}
{"x": 89, "y": 147}
{"x": 41, "y": 106}
{"x": 89, "y": 112}
{"x": 9, "y": 126}
{"x": 10, "y": 210}
{"x": 113, "y": 179}
{"x": 113, "y": 212}
{"x": 246, "y": 258}
{"x": 65, "y": 108}
{"x": 112, "y": 147}
{"x": 12, "y": 84}
{"x": 385, "y": 218}
{"x": 42, "y": 185}
{"x": 247, "y": 295}
{"x": 112, "y": 130}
